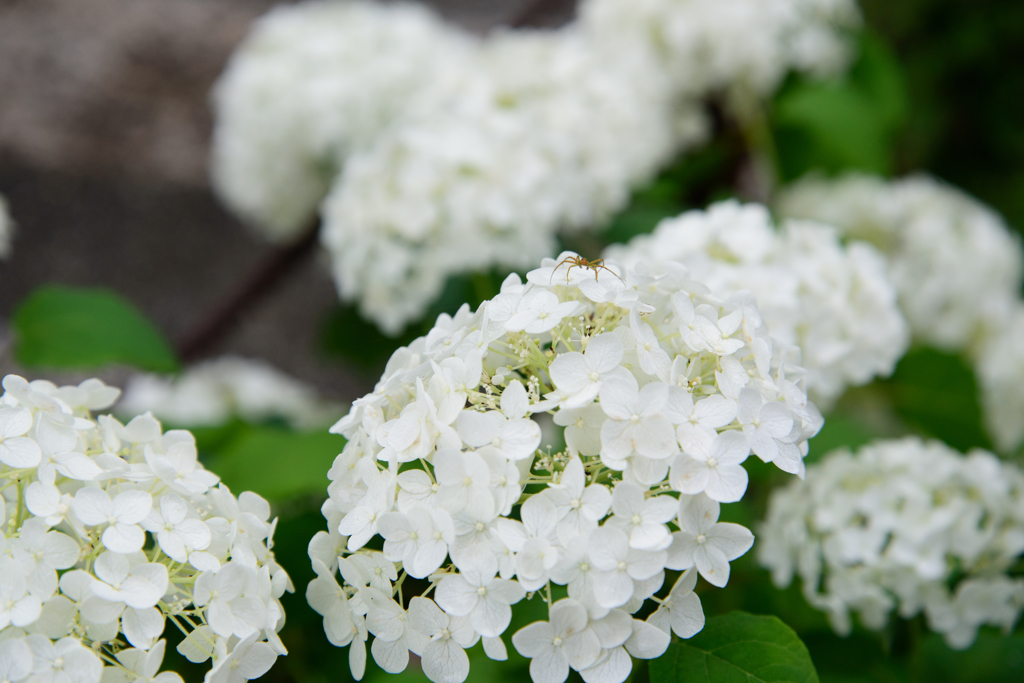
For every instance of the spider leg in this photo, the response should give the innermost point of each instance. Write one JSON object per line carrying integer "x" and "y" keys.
{"x": 604, "y": 267}
{"x": 559, "y": 265}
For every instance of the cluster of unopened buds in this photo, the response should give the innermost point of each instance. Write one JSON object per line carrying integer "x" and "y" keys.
{"x": 443, "y": 510}
{"x": 110, "y": 530}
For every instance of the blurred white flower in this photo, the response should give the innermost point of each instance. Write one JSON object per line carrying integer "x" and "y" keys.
{"x": 955, "y": 264}
{"x": 903, "y": 524}
{"x": 999, "y": 367}
{"x": 541, "y": 131}
{"x": 835, "y": 302}
{"x": 742, "y": 48}
{"x": 212, "y": 392}
{"x": 310, "y": 85}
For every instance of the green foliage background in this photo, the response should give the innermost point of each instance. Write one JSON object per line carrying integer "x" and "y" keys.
{"x": 937, "y": 87}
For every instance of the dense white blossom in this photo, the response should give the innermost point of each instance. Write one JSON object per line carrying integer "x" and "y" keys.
{"x": 542, "y": 132}
{"x": 835, "y": 302}
{"x": 212, "y": 392}
{"x": 436, "y": 154}
{"x": 444, "y": 461}
{"x": 309, "y": 85}
{"x": 80, "y": 495}
{"x": 6, "y": 229}
{"x": 903, "y": 525}
{"x": 742, "y": 48}
{"x": 956, "y": 265}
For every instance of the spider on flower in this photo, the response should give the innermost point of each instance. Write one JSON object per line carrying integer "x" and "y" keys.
{"x": 577, "y": 261}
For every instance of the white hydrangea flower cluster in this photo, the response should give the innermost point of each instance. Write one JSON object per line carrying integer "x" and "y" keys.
{"x": 213, "y": 391}
{"x": 663, "y": 390}
{"x": 834, "y": 302}
{"x": 956, "y": 265}
{"x": 107, "y": 531}
{"x": 544, "y": 132}
{"x": 905, "y": 524}
{"x": 6, "y": 229}
{"x": 741, "y": 48}
{"x": 310, "y": 84}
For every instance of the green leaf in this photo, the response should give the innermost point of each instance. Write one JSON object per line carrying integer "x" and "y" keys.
{"x": 68, "y": 327}
{"x": 640, "y": 218}
{"x": 695, "y": 179}
{"x": 737, "y": 647}
{"x": 837, "y": 432}
{"x": 992, "y": 657}
{"x": 277, "y": 463}
{"x": 879, "y": 75}
{"x": 843, "y": 124}
{"x": 832, "y": 126}
{"x": 346, "y": 335}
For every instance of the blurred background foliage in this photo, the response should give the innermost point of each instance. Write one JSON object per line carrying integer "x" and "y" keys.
{"x": 937, "y": 87}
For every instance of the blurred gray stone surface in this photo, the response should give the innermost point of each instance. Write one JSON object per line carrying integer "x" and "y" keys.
{"x": 104, "y": 130}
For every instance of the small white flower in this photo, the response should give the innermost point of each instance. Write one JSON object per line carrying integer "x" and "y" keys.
{"x": 700, "y": 419}
{"x": 64, "y": 660}
{"x": 582, "y": 428}
{"x": 540, "y": 311}
{"x": 465, "y": 483}
{"x": 141, "y": 666}
{"x": 121, "y": 515}
{"x": 579, "y": 507}
{"x": 681, "y": 611}
{"x": 575, "y": 570}
{"x": 532, "y": 541}
{"x": 706, "y": 543}
{"x": 562, "y": 642}
{"x": 414, "y": 433}
{"x": 419, "y": 539}
{"x": 766, "y": 425}
{"x": 177, "y": 535}
{"x": 228, "y": 610}
{"x": 47, "y": 502}
{"x": 16, "y": 450}
{"x": 508, "y": 433}
{"x": 642, "y": 520}
{"x": 138, "y": 586}
{"x": 713, "y": 466}
{"x": 178, "y": 467}
{"x": 360, "y": 524}
{"x": 246, "y": 661}
{"x": 619, "y": 566}
{"x": 636, "y": 423}
{"x": 394, "y": 637}
{"x": 17, "y": 607}
{"x": 15, "y": 660}
{"x": 444, "y": 657}
{"x": 581, "y": 375}
{"x": 415, "y": 487}
{"x": 40, "y": 552}
{"x": 328, "y": 599}
{"x": 455, "y": 378}
{"x": 476, "y": 593}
